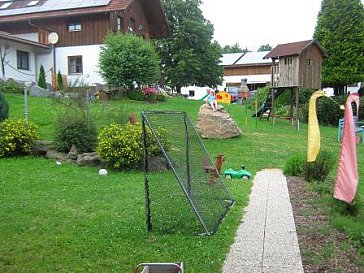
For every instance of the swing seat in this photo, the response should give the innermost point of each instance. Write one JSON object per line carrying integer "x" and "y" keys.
{"x": 359, "y": 130}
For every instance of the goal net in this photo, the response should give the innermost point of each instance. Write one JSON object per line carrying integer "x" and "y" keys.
{"x": 184, "y": 191}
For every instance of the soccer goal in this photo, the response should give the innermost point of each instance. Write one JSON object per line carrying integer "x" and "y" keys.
{"x": 187, "y": 194}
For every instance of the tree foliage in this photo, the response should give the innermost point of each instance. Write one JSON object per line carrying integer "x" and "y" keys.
{"x": 340, "y": 30}
{"x": 266, "y": 47}
{"x": 235, "y": 48}
{"x": 126, "y": 58}
{"x": 189, "y": 57}
{"x": 41, "y": 80}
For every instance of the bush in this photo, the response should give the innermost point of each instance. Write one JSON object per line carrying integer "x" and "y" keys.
{"x": 17, "y": 137}
{"x": 4, "y": 108}
{"x": 328, "y": 112}
{"x": 120, "y": 145}
{"x": 41, "y": 80}
{"x": 319, "y": 169}
{"x": 136, "y": 95}
{"x": 294, "y": 165}
{"x": 75, "y": 130}
{"x": 11, "y": 86}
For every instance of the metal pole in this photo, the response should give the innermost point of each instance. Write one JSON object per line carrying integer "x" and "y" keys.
{"x": 146, "y": 182}
{"x": 188, "y": 158}
{"x": 26, "y": 113}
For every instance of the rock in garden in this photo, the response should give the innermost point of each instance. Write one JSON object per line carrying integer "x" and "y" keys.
{"x": 72, "y": 153}
{"x": 216, "y": 124}
{"x": 88, "y": 159}
{"x": 36, "y": 91}
{"x": 53, "y": 154}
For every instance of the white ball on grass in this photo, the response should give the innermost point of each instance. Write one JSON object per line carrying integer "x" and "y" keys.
{"x": 102, "y": 172}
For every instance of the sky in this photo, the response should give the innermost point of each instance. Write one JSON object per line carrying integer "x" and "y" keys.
{"x": 252, "y": 23}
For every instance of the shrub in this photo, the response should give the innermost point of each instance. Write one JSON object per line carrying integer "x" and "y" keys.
{"x": 75, "y": 130}
{"x": 136, "y": 95}
{"x": 17, "y": 137}
{"x": 120, "y": 145}
{"x": 11, "y": 86}
{"x": 4, "y": 108}
{"x": 41, "y": 80}
{"x": 328, "y": 112}
{"x": 161, "y": 97}
{"x": 294, "y": 165}
{"x": 319, "y": 169}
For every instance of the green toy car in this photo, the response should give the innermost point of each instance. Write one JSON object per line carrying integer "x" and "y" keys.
{"x": 241, "y": 174}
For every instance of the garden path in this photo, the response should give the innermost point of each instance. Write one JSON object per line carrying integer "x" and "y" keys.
{"x": 266, "y": 240}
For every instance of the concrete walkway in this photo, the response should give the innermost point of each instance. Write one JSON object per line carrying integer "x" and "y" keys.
{"x": 266, "y": 240}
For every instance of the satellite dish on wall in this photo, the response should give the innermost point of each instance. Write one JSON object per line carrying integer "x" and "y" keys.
{"x": 53, "y": 38}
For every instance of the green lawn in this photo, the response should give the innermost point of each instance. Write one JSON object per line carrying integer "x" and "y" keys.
{"x": 68, "y": 219}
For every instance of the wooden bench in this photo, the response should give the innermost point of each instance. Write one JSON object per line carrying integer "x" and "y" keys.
{"x": 358, "y": 130}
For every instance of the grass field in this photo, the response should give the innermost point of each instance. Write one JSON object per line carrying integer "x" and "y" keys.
{"x": 68, "y": 219}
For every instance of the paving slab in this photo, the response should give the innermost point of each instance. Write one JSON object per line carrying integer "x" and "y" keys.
{"x": 266, "y": 240}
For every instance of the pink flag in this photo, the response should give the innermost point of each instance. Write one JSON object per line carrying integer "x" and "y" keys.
{"x": 347, "y": 174}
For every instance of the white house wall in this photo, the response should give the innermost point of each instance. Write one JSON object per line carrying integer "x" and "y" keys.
{"x": 11, "y": 70}
{"x": 90, "y": 59}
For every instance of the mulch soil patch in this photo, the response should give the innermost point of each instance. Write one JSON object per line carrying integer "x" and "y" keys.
{"x": 323, "y": 248}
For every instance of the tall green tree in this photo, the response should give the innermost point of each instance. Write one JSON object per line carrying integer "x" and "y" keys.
{"x": 41, "y": 80}
{"x": 340, "y": 30}
{"x": 189, "y": 56}
{"x": 266, "y": 47}
{"x": 126, "y": 58}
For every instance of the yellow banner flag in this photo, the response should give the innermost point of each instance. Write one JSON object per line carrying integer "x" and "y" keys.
{"x": 313, "y": 141}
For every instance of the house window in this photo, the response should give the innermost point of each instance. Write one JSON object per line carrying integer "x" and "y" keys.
{"x": 5, "y": 5}
{"x": 132, "y": 24}
{"x": 74, "y": 27}
{"x": 33, "y": 3}
{"x": 119, "y": 23}
{"x": 287, "y": 61}
{"x": 75, "y": 65}
{"x": 22, "y": 58}
{"x": 309, "y": 62}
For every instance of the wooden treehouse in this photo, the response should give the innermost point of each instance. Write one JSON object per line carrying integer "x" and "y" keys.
{"x": 294, "y": 66}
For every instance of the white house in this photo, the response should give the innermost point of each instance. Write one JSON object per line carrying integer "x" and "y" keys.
{"x": 66, "y": 36}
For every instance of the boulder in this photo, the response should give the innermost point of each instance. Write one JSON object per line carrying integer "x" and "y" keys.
{"x": 216, "y": 124}
{"x": 88, "y": 159}
{"x": 40, "y": 147}
{"x": 72, "y": 154}
{"x": 36, "y": 91}
{"x": 53, "y": 154}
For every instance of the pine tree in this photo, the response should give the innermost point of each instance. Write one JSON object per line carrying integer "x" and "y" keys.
{"x": 41, "y": 80}
{"x": 60, "y": 81}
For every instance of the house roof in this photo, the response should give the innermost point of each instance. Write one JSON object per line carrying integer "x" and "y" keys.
{"x": 20, "y": 10}
{"x": 230, "y": 58}
{"x": 11, "y": 37}
{"x": 244, "y": 59}
{"x": 253, "y": 58}
{"x": 293, "y": 49}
